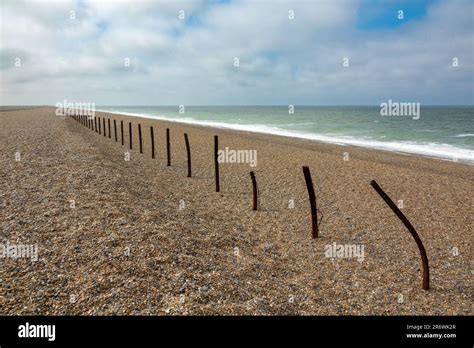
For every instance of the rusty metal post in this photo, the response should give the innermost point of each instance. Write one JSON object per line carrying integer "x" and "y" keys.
{"x": 130, "y": 133}
{"x": 216, "y": 162}
{"x": 255, "y": 192}
{"x": 152, "y": 142}
{"x": 140, "y": 137}
{"x": 312, "y": 201}
{"x": 188, "y": 151}
{"x": 168, "y": 148}
{"x": 108, "y": 121}
{"x": 98, "y": 121}
{"x": 103, "y": 123}
{"x": 115, "y": 130}
{"x": 411, "y": 229}
{"x": 121, "y": 130}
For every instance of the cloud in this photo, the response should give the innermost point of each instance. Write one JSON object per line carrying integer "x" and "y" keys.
{"x": 79, "y": 50}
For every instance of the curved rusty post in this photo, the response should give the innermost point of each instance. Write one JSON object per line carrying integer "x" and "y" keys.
{"x": 312, "y": 201}
{"x": 411, "y": 229}
{"x": 255, "y": 191}
{"x": 188, "y": 151}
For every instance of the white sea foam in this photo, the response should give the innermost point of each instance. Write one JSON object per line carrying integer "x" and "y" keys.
{"x": 438, "y": 150}
{"x": 463, "y": 135}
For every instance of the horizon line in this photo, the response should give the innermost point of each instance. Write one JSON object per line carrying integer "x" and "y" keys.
{"x": 231, "y": 105}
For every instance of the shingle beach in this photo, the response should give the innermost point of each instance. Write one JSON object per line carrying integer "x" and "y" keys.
{"x": 138, "y": 237}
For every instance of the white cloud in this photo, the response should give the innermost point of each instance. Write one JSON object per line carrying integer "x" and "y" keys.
{"x": 190, "y": 61}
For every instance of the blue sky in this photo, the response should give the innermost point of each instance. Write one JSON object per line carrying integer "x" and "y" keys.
{"x": 142, "y": 53}
{"x": 379, "y": 14}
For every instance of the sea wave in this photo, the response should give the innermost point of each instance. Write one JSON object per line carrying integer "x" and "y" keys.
{"x": 463, "y": 135}
{"x": 430, "y": 149}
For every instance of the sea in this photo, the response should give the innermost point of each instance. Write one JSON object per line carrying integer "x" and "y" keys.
{"x": 445, "y": 132}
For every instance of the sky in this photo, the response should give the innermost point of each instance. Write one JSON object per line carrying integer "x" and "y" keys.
{"x": 309, "y": 52}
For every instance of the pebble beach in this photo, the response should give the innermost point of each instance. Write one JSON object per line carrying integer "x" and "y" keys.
{"x": 120, "y": 233}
